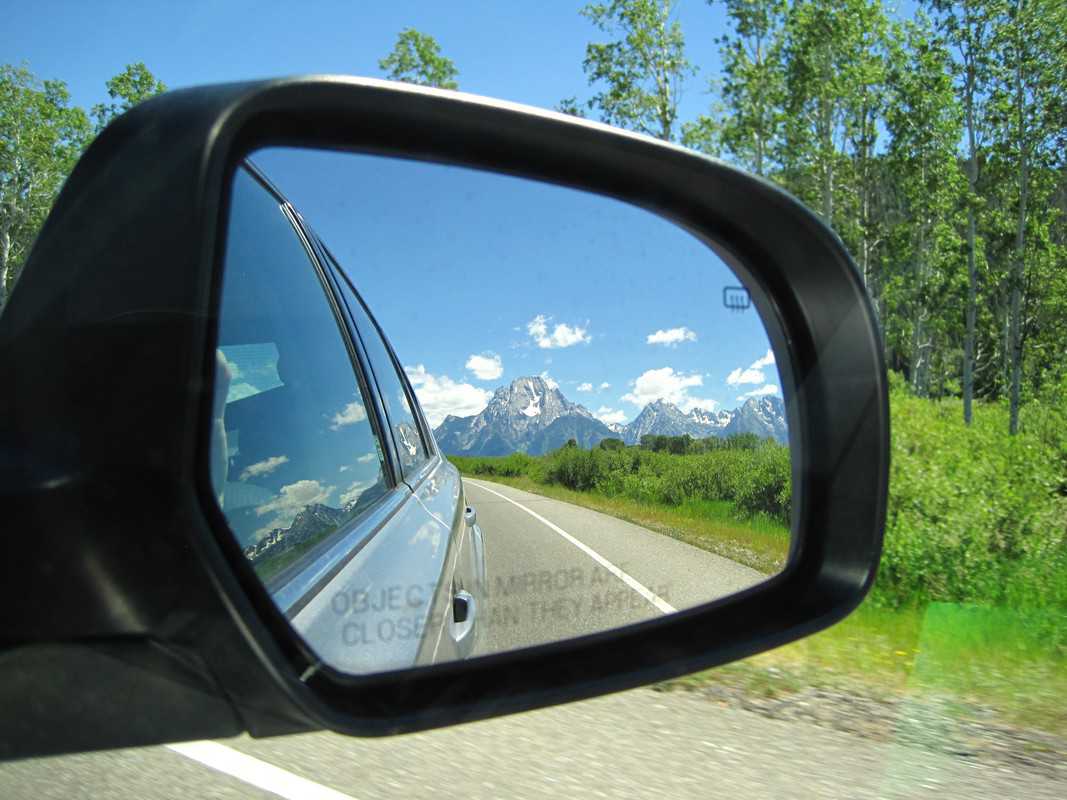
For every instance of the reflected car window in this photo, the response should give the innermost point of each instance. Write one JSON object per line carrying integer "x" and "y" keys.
{"x": 295, "y": 456}
{"x": 411, "y": 449}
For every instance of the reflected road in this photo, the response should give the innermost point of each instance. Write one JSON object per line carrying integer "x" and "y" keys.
{"x": 570, "y": 571}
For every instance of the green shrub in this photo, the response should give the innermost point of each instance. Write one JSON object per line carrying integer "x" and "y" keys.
{"x": 762, "y": 484}
{"x": 756, "y": 480}
{"x": 974, "y": 514}
{"x": 510, "y": 466}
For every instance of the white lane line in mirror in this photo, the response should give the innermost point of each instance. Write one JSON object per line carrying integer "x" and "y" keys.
{"x": 255, "y": 772}
{"x": 653, "y": 598}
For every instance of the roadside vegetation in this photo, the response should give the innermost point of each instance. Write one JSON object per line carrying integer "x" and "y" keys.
{"x": 970, "y": 602}
{"x": 730, "y": 496}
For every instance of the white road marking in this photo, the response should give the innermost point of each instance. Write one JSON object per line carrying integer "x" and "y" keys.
{"x": 255, "y": 772}
{"x": 653, "y": 598}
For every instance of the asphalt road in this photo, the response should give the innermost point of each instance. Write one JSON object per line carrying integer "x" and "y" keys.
{"x": 630, "y": 745}
{"x": 569, "y": 571}
{"x": 554, "y": 575}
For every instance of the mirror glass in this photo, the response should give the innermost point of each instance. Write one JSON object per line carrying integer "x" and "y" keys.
{"x": 458, "y": 412}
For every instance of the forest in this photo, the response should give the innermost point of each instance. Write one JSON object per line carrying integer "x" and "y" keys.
{"x": 934, "y": 144}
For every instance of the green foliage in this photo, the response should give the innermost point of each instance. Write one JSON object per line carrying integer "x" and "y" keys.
{"x": 682, "y": 445}
{"x": 510, "y": 466}
{"x": 754, "y": 478}
{"x": 133, "y": 85}
{"x": 975, "y": 515}
{"x": 41, "y": 137}
{"x": 570, "y": 105}
{"x": 641, "y": 71}
{"x": 752, "y": 86}
{"x": 924, "y": 271}
{"x": 416, "y": 58}
{"x": 836, "y": 55}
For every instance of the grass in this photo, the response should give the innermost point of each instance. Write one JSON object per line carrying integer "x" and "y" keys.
{"x": 994, "y": 658}
{"x": 758, "y": 542}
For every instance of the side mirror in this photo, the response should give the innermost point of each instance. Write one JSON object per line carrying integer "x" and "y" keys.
{"x": 174, "y": 573}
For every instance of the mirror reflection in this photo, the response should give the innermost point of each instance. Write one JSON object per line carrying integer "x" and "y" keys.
{"x": 458, "y": 412}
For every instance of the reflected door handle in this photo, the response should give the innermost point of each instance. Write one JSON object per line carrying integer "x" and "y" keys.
{"x": 462, "y": 623}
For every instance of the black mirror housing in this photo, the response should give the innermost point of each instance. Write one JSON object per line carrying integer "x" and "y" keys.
{"x": 130, "y": 616}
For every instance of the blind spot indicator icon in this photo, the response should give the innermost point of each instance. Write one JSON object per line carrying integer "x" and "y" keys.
{"x": 736, "y": 298}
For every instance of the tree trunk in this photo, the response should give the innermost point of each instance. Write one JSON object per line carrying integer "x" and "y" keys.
{"x": 920, "y": 350}
{"x": 826, "y": 145}
{"x": 1018, "y": 265}
{"x": 5, "y": 253}
{"x": 971, "y": 310}
{"x": 971, "y": 313}
{"x": 761, "y": 113}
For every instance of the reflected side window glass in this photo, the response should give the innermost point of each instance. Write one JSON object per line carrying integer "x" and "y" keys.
{"x": 295, "y": 457}
{"x": 411, "y": 448}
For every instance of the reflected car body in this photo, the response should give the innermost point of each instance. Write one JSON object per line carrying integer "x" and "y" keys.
{"x": 391, "y": 573}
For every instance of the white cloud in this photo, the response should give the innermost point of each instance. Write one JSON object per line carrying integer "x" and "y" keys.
{"x": 585, "y": 387}
{"x": 605, "y": 386}
{"x": 440, "y": 396}
{"x": 264, "y": 467}
{"x": 766, "y": 361}
{"x": 753, "y": 373}
{"x": 354, "y": 491}
{"x": 672, "y": 337}
{"x": 740, "y": 376}
{"x": 351, "y": 414}
{"x": 610, "y": 416}
{"x": 562, "y": 335}
{"x": 770, "y": 388}
{"x": 366, "y": 459}
{"x": 666, "y": 384}
{"x": 292, "y": 499}
{"x": 485, "y": 366}
{"x": 344, "y": 468}
{"x": 705, "y": 403}
{"x": 548, "y": 379}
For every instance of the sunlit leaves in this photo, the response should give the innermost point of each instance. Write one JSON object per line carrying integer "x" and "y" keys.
{"x": 416, "y": 58}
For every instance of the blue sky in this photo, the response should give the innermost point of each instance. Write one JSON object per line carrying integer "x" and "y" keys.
{"x": 478, "y": 275}
{"x": 528, "y": 52}
{"x": 480, "y": 278}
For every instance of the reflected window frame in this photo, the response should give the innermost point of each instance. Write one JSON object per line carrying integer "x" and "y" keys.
{"x": 356, "y": 353}
{"x": 346, "y": 289}
{"x": 366, "y": 522}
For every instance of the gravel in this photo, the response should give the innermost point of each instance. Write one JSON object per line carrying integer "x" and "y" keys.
{"x": 938, "y": 724}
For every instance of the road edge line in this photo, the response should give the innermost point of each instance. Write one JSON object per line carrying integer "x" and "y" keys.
{"x": 657, "y": 602}
{"x": 255, "y": 772}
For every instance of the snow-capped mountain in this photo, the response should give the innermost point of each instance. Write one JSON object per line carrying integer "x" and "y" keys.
{"x": 529, "y": 414}
{"x": 661, "y": 418}
{"x": 532, "y": 415}
{"x": 763, "y": 416}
